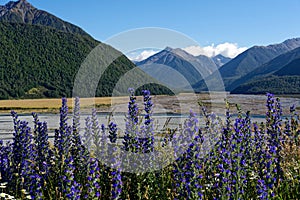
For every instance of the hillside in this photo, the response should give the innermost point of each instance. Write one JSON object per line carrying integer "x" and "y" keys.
{"x": 269, "y": 68}
{"x": 276, "y": 76}
{"x": 38, "y": 61}
{"x": 293, "y": 68}
{"x": 272, "y": 84}
{"x": 252, "y": 59}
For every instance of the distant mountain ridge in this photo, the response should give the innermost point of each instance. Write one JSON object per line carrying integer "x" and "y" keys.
{"x": 245, "y": 63}
{"x": 254, "y": 58}
{"x": 268, "y": 68}
{"x": 281, "y": 75}
{"x": 177, "y": 64}
{"x": 201, "y": 70}
{"x": 23, "y": 12}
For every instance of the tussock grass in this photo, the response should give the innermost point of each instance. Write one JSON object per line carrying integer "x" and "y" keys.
{"x": 53, "y": 105}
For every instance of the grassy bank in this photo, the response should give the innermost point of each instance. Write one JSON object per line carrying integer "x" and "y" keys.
{"x": 53, "y": 105}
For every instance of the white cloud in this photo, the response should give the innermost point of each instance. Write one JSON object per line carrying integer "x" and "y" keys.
{"x": 227, "y": 49}
{"x": 142, "y": 55}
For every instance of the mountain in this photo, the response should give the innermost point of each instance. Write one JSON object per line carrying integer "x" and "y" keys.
{"x": 254, "y": 58}
{"x": 245, "y": 63}
{"x": 220, "y": 60}
{"x": 176, "y": 64}
{"x": 293, "y": 68}
{"x": 269, "y": 68}
{"x": 23, "y": 12}
{"x": 39, "y": 61}
{"x": 279, "y": 76}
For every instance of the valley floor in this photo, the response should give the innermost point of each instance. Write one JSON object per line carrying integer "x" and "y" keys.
{"x": 179, "y": 104}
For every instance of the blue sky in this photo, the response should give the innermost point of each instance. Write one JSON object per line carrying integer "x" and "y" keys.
{"x": 247, "y": 23}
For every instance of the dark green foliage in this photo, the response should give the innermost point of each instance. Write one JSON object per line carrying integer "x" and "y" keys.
{"x": 35, "y": 56}
{"x": 293, "y": 68}
{"x": 274, "y": 84}
{"x": 155, "y": 89}
{"x": 38, "y": 61}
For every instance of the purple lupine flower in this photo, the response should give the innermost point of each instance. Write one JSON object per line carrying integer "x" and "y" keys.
{"x": 43, "y": 158}
{"x": 212, "y": 129}
{"x": 186, "y": 136}
{"x": 131, "y": 130}
{"x": 269, "y": 166}
{"x": 104, "y": 142}
{"x": 63, "y": 136}
{"x": 41, "y": 139}
{"x": 56, "y": 138}
{"x": 112, "y": 132}
{"x": 64, "y": 114}
{"x": 240, "y": 148}
{"x": 147, "y": 130}
{"x": 77, "y": 148}
{"x": 132, "y": 107}
{"x": 116, "y": 188}
{"x": 71, "y": 189}
{"x": 42, "y": 143}
{"x": 287, "y": 131}
{"x": 22, "y": 142}
{"x": 76, "y": 120}
{"x": 60, "y": 133}
{"x": 24, "y": 155}
{"x": 262, "y": 189}
{"x": 96, "y": 133}
{"x": 87, "y": 137}
{"x": 187, "y": 168}
{"x": 95, "y": 127}
{"x": 224, "y": 171}
{"x": 17, "y": 145}
{"x": 273, "y": 125}
{"x": 33, "y": 181}
{"x": 26, "y": 169}
{"x": 62, "y": 142}
{"x": 35, "y": 123}
{"x": 259, "y": 160}
{"x": 147, "y": 101}
{"x": 294, "y": 122}
{"x": 65, "y": 141}
{"x": 115, "y": 172}
{"x": 93, "y": 180}
{"x": 5, "y": 161}
{"x": 36, "y": 186}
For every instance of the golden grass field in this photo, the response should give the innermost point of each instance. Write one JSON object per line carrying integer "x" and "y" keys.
{"x": 53, "y": 105}
{"x": 100, "y": 103}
